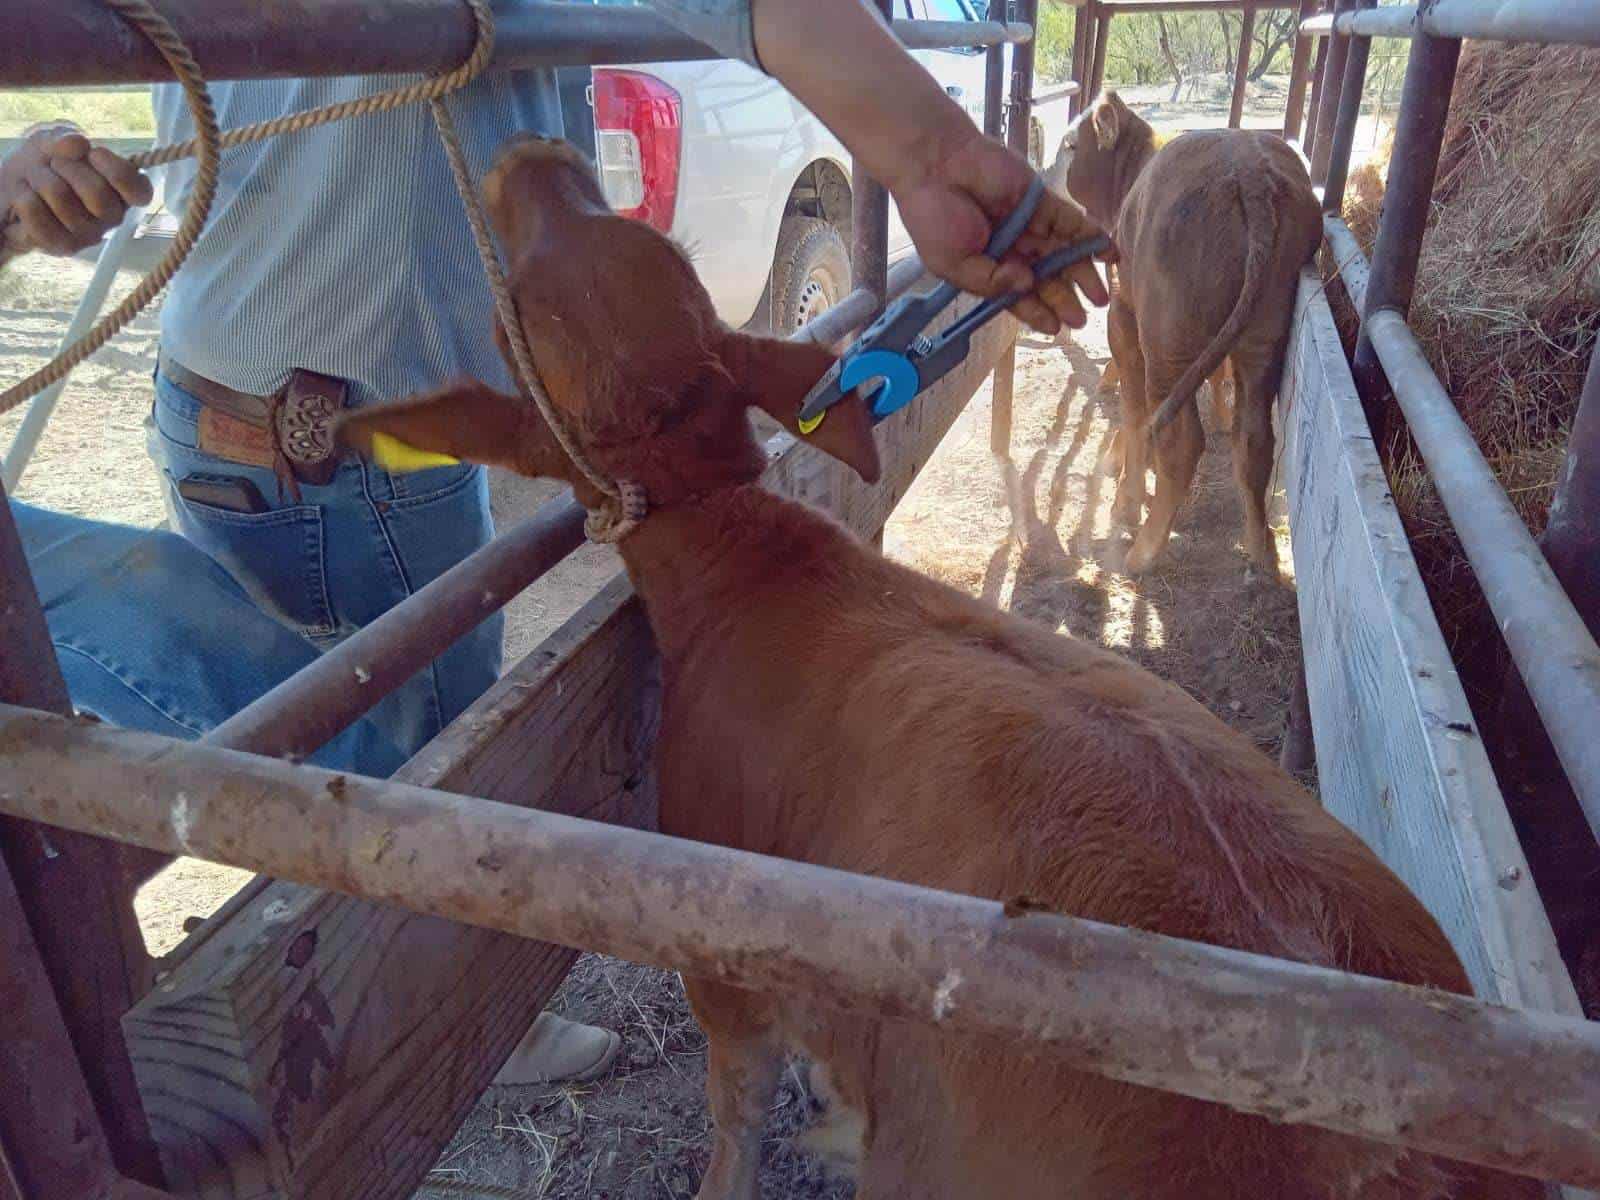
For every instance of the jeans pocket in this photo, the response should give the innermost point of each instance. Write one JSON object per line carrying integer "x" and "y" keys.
{"x": 435, "y": 529}
{"x": 277, "y": 557}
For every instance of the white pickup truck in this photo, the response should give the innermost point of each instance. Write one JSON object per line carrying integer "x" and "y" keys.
{"x": 738, "y": 170}
{"x": 733, "y": 166}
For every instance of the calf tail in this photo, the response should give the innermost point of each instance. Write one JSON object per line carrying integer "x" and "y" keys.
{"x": 1261, "y": 236}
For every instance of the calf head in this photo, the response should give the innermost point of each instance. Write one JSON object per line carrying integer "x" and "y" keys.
{"x": 648, "y": 381}
{"x": 1104, "y": 150}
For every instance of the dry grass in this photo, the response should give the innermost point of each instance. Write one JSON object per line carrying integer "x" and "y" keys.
{"x": 1508, "y": 297}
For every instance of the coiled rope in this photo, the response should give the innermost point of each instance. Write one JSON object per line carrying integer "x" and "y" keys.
{"x": 625, "y": 503}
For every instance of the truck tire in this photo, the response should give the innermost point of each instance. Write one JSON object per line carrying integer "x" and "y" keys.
{"x": 810, "y": 272}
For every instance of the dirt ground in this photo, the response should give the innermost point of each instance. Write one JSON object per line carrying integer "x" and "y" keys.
{"x": 1032, "y": 535}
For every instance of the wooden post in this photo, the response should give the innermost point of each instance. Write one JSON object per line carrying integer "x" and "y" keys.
{"x": 1241, "y": 66}
{"x": 1295, "y": 107}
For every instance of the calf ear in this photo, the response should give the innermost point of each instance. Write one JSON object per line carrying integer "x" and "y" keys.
{"x": 775, "y": 376}
{"x": 461, "y": 422}
{"x": 1107, "y": 120}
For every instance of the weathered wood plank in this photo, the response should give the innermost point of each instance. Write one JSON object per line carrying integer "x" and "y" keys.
{"x": 1398, "y": 753}
{"x": 318, "y": 1046}
{"x": 342, "y": 1076}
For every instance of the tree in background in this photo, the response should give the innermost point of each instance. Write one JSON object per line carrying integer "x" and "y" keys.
{"x": 1151, "y": 48}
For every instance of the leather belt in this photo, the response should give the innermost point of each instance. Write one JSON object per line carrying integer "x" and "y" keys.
{"x": 290, "y": 431}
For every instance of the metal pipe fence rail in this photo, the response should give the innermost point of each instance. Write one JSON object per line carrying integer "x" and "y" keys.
{"x": 1568, "y": 22}
{"x": 67, "y": 42}
{"x": 1302, "y": 1044}
{"x": 1546, "y": 636}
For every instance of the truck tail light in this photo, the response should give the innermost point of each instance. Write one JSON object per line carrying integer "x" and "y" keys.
{"x": 638, "y": 122}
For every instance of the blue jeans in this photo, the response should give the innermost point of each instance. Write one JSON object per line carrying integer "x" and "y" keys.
{"x": 153, "y": 635}
{"x": 342, "y": 555}
{"x": 174, "y": 634}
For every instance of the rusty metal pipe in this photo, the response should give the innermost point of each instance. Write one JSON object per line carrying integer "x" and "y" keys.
{"x": 1241, "y": 66}
{"x": 853, "y": 312}
{"x": 994, "y": 91}
{"x": 1171, "y": 6}
{"x": 68, "y": 42}
{"x": 1102, "y": 42}
{"x": 1061, "y": 93}
{"x": 1408, "y": 198}
{"x": 311, "y": 707}
{"x": 1294, "y": 109}
{"x": 1327, "y": 111}
{"x": 1553, "y": 22}
{"x": 1447, "y": 1074}
{"x": 1352, "y": 92}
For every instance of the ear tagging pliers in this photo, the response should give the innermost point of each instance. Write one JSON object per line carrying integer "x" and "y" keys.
{"x": 896, "y": 351}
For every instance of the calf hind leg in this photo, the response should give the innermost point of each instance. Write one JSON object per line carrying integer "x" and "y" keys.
{"x": 1123, "y": 331}
{"x": 1256, "y": 378}
{"x": 1178, "y": 448}
{"x": 744, "y": 1063}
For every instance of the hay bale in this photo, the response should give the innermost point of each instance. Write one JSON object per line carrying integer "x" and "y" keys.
{"x": 1508, "y": 295}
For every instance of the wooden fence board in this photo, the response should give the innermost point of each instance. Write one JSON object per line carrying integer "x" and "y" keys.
{"x": 1398, "y": 752}
{"x": 315, "y": 1047}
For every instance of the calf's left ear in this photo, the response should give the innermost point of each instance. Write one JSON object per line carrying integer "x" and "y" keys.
{"x": 462, "y": 422}
{"x": 775, "y": 376}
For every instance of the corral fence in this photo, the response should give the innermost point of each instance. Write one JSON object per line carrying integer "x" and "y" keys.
{"x": 326, "y": 1043}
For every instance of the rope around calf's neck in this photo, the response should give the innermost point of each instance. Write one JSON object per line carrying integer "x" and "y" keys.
{"x": 625, "y": 503}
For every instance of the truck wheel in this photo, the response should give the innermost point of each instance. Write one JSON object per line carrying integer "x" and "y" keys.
{"x": 810, "y": 273}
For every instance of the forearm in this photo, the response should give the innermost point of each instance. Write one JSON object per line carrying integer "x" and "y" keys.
{"x": 848, "y": 68}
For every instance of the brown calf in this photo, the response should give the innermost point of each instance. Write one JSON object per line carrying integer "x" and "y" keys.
{"x": 1213, "y": 229}
{"x": 826, "y": 705}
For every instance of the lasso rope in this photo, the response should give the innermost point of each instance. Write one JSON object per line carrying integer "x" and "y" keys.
{"x": 625, "y": 503}
{"x": 206, "y": 146}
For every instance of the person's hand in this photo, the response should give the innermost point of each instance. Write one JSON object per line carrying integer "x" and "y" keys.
{"x": 951, "y": 207}
{"x": 59, "y": 194}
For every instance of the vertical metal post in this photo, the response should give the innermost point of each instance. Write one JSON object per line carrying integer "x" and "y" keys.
{"x": 1418, "y": 135}
{"x": 1082, "y": 51}
{"x": 869, "y": 254}
{"x": 75, "y": 891}
{"x": 1017, "y": 122}
{"x": 1571, "y": 539}
{"x": 1241, "y": 65}
{"x": 1352, "y": 91}
{"x": 994, "y": 92}
{"x": 1328, "y": 102}
{"x": 1294, "y": 112}
{"x": 1097, "y": 73}
{"x": 1319, "y": 78}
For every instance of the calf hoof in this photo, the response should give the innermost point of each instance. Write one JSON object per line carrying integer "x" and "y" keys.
{"x": 1140, "y": 559}
{"x": 1257, "y": 575}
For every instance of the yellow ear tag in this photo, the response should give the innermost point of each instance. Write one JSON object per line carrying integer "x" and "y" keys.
{"x": 392, "y": 454}
{"x": 809, "y": 427}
